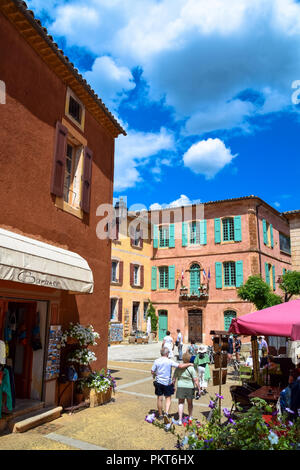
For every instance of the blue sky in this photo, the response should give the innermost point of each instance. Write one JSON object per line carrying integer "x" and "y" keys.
{"x": 202, "y": 87}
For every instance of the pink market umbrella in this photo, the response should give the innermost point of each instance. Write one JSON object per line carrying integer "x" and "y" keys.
{"x": 279, "y": 320}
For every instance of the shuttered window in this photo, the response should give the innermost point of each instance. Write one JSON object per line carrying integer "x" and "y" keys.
{"x": 194, "y": 279}
{"x": 163, "y": 236}
{"x": 229, "y": 274}
{"x": 228, "y": 229}
{"x": 114, "y": 269}
{"x": 194, "y": 233}
{"x": 163, "y": 277}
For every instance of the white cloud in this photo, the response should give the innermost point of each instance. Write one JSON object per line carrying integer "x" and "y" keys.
{"x": 276, "y": 204}
{"x": 110, "y": 80}
{"x": 136, "y": 150}
{"x": 208, "y": 157}
{"x": 183, "y": 200}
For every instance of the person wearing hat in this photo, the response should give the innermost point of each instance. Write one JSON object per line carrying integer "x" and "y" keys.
{"x": 201, "y": 364}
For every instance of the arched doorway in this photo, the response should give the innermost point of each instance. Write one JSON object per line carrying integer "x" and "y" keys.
{"x": 195, "y": 325}
{"x": 162, "y": 324}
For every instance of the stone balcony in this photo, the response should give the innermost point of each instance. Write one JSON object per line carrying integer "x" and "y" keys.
{"x": 186, "y": 296}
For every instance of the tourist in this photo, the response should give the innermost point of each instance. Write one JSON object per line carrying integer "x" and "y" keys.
{"x": 201, "y": 363}
{"x": 168, "y": 343}
{"x": 179, "y": 344}
{"x": 262, "y": 351}
{"x": 237, "y": 347}
{"x": 230, "y": 348}
{"x": 192, "y": 350}
{"x": 162, "y": 373}
{"x": 186, "y": 381}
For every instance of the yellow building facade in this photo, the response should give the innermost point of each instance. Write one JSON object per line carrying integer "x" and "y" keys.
{"x": 130, "y": 288}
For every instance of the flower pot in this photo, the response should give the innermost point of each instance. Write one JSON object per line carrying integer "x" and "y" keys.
{"x": 99, "y": 398}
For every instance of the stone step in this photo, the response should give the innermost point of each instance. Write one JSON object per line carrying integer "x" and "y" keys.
{"x": 35, "y": 418}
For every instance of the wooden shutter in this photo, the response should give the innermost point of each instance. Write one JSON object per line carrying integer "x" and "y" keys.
{"x": 155, "y": 236}
{"x": 153, "y": 278}
{"x": 172, "y": 236}
{"x": 59, "y": 160}
{"x": 121, "y": 272}
{"x": 203, "y": 232}
{"x": 184, "y": 233}
{"x": 267, "y": 273}
{"x": 172, "y": 277}
{"x": 238, "y": 228}
{"x": 272, "y": 236}
{"x": 239, "y": 278}
{"x": 86, "y": 180}
{"x": 142, "y": 276}
{"x": 217, "y": 230}
{"x": 264, "y": 223}
{"x": 219, "y": 282}
{"x": 283, "y": 271}
{"x": 120, "y": 309}
{"x": 273, "y": 275}
{"x": 131, "y": 274}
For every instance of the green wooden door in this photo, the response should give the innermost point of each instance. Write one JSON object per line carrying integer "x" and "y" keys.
{"x": 194, "y": 279}
{"x": 162, "y": 324}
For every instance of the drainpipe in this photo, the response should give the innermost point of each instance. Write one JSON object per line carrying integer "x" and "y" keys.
{"x": 258, "y": 236}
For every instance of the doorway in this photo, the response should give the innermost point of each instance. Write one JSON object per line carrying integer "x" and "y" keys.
{"x": 195, "y": 325}
{"x": 162, "y": 324}
{"x": 135, "y": 315}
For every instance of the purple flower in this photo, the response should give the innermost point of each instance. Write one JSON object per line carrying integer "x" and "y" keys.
{"x": 226, "y": 412}
{"x": 289, "y": 411}
{"x": 212, "y": 404}
{"x": 209, "y": 440}
{"x": 219, "y": 396}
{"x": 232, "y": 422}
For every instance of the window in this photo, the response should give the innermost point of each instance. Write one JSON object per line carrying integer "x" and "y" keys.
{"x": 163, "y": 236}
{"x": 268, "y": 234}
{"x": 75, "y": 109}
{"x": 229, "y": 274}
{"x": 228, "y": 316}
{"x": 270, "y": 275}
{"x": 163, "y": 277}
{"x": 114, "y": 269}
{"x": 73, "y": 171}
{"x": 113, "y": 309}
{"x": 228, "y": 229}
{"x": 285, "y": 243}
{"x": 136, "y": 275}
{"x": 194, "y": 233}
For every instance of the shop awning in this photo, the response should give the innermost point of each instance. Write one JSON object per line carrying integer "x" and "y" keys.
{"x": 29, "y": 261}
{"x": 279, "y": 320}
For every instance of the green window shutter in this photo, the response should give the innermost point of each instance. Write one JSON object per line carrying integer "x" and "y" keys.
{"x": 155, "y": 236}
{"x": 219, "y": 283}
{"x": 217, "y": 230}
{"x": 184, "y": 233}
{"x": 154, "y": 278}
{"x": 203, "y": 232}
{"x": 239, "y": 273}
{"x": 283, "y": 271}
{"x": 264, "y": 223}
{"x": 267, "y": 273}
{"x": 171, "y": 236}
{"x": 172, "y": 277}
{"x": 272, "y": 237}
{"x": 273, "y": 275}
{"x": 238, "y": 228}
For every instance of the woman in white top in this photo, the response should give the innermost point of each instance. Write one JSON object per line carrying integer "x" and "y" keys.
{"x": 168, "y": 343}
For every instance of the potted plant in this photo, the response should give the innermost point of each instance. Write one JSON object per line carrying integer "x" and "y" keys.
{"x": 79, "y": 334}
{"x": 101, "y": 385}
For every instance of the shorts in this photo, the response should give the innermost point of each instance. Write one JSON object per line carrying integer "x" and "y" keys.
{"x": 182, "y": 393}
{"x": 165, "y": 390}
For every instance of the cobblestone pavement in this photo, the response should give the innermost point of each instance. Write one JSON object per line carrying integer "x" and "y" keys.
{"x": 120, "y": 424}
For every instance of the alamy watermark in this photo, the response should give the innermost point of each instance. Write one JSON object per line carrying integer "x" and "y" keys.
{"x": 296, "y": 95}
{"x": 2, "y": 92}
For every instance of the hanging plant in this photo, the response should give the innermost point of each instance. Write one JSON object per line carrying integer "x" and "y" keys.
{"x": 83, "y": 335}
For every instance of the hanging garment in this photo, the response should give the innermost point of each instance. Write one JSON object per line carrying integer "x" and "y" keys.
{"x": 12, "y": 384}
{"x": 36, "y": 338}
{"x": 5, "y": 392}
{"x": 2, "y": 352}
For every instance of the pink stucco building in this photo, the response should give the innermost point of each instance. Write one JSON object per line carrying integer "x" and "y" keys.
{"x": 203, "y": 253}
